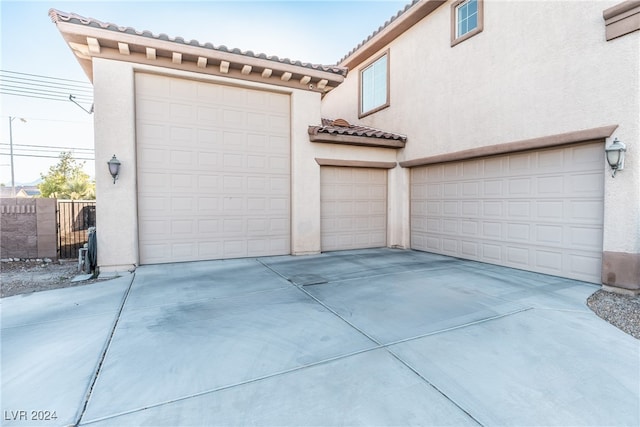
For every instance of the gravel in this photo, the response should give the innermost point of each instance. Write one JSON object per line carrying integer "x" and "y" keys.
{"x": 23, "y": 277}
{"x": 622, "y": 311}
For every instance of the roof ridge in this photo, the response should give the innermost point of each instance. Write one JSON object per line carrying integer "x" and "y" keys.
{"x": 58, "y": 16}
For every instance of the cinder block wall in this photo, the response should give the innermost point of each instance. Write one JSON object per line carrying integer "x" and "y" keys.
{"x": 28, "y": 228}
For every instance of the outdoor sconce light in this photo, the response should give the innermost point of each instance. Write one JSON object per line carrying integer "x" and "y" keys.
{"x": 615, "y": 156}
{"x": 114, "y": 168}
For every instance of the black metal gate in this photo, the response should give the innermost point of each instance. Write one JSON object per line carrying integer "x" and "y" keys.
{"x": 74, "y": 219}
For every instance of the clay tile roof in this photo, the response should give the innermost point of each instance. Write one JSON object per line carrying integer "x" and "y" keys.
{"x": 342, "y": 127}
{"x": 59, "y": 16}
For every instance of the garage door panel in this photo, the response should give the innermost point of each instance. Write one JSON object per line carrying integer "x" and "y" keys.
{"x": 208, "y": 184}
{"x": 549, "y": 186}
{"x": 206, "y": 170}
{"x": 540, "y": 211}
{"x": 353, "y": 208}
{"x": 588, "y": 185}
{"x": 589, "y": 211}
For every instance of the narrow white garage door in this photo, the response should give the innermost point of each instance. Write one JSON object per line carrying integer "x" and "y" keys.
{"x": 213, "y": 170}
{"x": 540, "y": 211}
{"x": 353, "y": 208}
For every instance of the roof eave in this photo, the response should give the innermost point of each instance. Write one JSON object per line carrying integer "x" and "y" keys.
{"x": 88, "y": 42}
{"x": 362, "y": 141}
{"x": 390, "y": 32}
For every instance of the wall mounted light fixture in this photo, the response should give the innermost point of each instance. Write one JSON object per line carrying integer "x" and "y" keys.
{"x": 615, "y": 156}
{"x": 114, "y": 168}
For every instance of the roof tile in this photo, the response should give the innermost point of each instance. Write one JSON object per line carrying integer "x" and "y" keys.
{"x": 342, "y": 127}
{"x": 59, "y": 16}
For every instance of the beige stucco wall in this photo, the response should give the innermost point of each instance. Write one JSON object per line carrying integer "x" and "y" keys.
{"x": 117, "y": 228}
{"x": 538, "y": 69}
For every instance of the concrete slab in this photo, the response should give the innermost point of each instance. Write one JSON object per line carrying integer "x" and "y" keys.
{"x": 60, "y": 304}
{"x": 343, "y": 265}
{"x": 400, "y": 306}
{"x": 52, "y": 343}
{"x": 167, "y": 352}
{"x": 237, "y": 342}
{"x": 192, "y": 281}
{"x": 539, "y": 367}
{"x": 529, "y": 289}
{"x": 368, "y": 389}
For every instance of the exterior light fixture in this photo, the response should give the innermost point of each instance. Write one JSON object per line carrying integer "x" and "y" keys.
{"x": 615, "y": 156}
{"x": 114, "y": 168}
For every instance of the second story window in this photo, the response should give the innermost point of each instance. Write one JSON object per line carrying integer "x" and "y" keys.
{"x": 374, "y": 85}
{"x": 466, "y": 20}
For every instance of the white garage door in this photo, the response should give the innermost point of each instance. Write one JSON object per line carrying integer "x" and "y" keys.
{"x": 213, "y": 170}
{"x": 353, "y": 208}
{"x": 540, "y": 211}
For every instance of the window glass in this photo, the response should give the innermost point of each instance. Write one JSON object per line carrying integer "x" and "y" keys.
{"x": 374, "y": 85}
{"x": 467, "y": 17}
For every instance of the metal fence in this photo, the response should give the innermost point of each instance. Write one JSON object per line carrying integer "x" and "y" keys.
{"x": 74, "y": 219}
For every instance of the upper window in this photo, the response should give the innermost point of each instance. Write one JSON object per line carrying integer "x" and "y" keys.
{"x": 374, "y": 86}
{"x": 466, "y": 20}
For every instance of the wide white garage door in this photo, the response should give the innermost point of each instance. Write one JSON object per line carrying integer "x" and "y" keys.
{"x": 213, "y": 170}
{"x": 353, "y": 208}
{"x": 540, "y": 211}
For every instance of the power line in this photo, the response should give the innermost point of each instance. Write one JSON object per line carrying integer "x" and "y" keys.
{"x": 43, "y": 92}
{"x": 45, "y": 77}
{"x": 44, "y": 157}
{"x": 40, "y": 150}
{"x": 44, "y": 87}
{"x": 41, "y": 83}
{"x": 48, "y": 146}
{"x": 29, "y": 119}
{"x": 34, "y": 96}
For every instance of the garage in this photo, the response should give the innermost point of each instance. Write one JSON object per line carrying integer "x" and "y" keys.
{"x": 540, "y": 210}
{"x": 353, "y": 208}
{"x": 213, "y": 170}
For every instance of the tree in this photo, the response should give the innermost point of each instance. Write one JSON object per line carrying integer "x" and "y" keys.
{"x": 67, "y": 180}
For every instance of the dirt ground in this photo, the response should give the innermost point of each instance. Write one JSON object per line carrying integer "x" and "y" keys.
{"x": 23, "y": 277}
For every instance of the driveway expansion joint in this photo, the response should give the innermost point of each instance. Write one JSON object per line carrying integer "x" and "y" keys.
{"x": 103, "y": 356}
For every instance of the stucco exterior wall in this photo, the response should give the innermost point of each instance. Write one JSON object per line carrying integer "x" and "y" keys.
{"x": 117, "y": 216}
{"x": 114, "y": 130}
{"x": 537, "y": 69}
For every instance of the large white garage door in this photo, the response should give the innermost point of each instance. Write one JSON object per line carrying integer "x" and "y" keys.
{"x": 353, "y": 208}
{"x": 213, "y": 170}
{"x": 540, "y": 211}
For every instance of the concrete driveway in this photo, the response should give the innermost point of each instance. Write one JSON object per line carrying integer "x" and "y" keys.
{"x": 369, "y": 337}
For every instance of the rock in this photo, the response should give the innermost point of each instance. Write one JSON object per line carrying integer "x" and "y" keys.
{"x": 47, "y": 260}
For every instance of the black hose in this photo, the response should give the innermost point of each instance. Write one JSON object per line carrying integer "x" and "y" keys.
{"x": 91, "y": 259}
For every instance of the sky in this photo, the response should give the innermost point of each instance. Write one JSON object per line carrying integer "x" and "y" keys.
{"x": 319, "y": 32}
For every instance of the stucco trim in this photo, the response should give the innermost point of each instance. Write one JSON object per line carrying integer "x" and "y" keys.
{"x": 356, "y": 163}
{"x": 621, "y": 270}
{"x": 456, "y": 40}
{"x": 622, "y": 19}
{"x": 362, "y": 141}
{"x": 581, "y": 136}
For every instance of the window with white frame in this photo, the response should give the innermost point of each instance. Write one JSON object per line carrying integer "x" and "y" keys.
{"x": 374, "y": 86}
{"x": 466, "y": 20}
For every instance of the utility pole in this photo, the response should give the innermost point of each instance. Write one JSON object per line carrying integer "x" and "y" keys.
{"x": 13, "y": 180}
